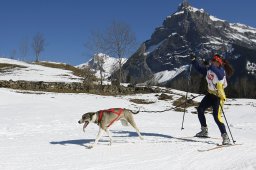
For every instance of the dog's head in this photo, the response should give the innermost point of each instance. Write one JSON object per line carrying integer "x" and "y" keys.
{"x": 86, "y": 119}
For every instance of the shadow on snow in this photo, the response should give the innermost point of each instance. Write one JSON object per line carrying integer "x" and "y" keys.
{"x": 83, "y": 142}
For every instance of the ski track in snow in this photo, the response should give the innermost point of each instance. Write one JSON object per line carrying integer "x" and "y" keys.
{"x": 40, "y": 131}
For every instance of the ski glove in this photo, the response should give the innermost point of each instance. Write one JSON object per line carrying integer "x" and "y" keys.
{"x": 206, "y": 62}
{"x": 192, "y": 57}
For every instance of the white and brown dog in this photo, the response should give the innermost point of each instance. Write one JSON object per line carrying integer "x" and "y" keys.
{"x": 105, "y": 118}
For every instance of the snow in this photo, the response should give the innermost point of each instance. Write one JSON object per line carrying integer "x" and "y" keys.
{"x": 240, "y": 37}
{"x": 251, "y": 67}
{"x": 243, "y": 28}
{"x": 213, "y": 18}
{"x": 166, "y": 75}
{"x": 152, "y": 48}
{"x": 179, "y": 12}
{"x": 40, "y": 131}
{"x": 214, "y": 40}
{"x": 109, "y": 66}
{"x": 240, "y": 30}
{"x": 163, "y": 77}
{"x": 190, "y": 8}
{"x": 193, "y": 9}
{"x": 33, "y": 72}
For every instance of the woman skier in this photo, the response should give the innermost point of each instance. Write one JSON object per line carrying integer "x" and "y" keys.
{"x": 215, "y": 75}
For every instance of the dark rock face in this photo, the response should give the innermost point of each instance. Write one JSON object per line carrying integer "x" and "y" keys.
{"x": 193, "y": 30}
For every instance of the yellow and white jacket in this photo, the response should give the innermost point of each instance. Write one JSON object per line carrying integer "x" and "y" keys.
{"x": 215, "y": 77}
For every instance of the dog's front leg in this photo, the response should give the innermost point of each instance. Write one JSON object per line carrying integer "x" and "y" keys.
{"x": 110, "y": 137}
{"x": 97, "y": 138}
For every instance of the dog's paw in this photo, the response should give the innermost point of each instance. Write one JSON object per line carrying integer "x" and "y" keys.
{"x": 90, "y": 147}
{"x": 141, "y": 138}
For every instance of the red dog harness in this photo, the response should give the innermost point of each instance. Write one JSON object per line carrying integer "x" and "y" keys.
{"x": 118, "y": 113}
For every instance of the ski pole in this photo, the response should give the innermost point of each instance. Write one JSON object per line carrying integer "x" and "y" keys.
{"x": 189, "y": 72}
{"x": 227, "y": 124}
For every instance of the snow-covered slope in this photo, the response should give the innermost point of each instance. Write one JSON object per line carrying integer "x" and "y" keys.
{"x": 40, "y": 131}
{"x": 110, "y": 64}
{"x": 33, "y": 72}
{"x": 165, "y": 76}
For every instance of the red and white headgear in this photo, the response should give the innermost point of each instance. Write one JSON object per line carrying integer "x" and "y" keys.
{"x": 217, "y": 58}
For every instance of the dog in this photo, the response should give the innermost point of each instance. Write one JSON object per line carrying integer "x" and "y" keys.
{"x": 105, "y": 118}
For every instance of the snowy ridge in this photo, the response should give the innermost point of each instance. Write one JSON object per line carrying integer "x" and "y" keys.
{"x": 33, "y": 72}
{"x": 109, "y": 66}
{"x": 189, "y": 8}
{"x": 193, "y": 9}
{"x": 213, "y": 18}
{"x": 243, "y": 28}
{"x": 240, "y": 29}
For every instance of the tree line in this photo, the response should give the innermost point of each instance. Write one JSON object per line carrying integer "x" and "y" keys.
{"x": 37, "y": 45}
{"x": 116, "y": 40}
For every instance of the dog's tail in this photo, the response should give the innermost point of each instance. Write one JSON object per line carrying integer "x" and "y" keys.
{"x": 135, "y": 112}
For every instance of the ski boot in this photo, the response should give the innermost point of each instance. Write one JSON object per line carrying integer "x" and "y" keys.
{"x": 226, "y": 140}
{"x": 203, "y": 133}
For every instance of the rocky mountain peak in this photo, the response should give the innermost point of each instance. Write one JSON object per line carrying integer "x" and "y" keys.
{"x": 187, "y": 30}
{"x": 184, "y": 5}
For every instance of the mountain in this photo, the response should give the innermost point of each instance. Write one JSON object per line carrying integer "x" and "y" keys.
{"x": 109, "y": 64}
{"x": 193, "y": 30}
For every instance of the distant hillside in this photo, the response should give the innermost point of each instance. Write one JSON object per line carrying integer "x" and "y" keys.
{"x": 44, "y": 71}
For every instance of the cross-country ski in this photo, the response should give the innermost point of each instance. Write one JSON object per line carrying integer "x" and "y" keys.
{"x": 219, "y": 146}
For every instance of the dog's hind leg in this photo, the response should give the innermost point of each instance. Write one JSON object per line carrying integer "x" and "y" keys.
{"x": 110, "y": 136}
{"x": 132, "y": 122}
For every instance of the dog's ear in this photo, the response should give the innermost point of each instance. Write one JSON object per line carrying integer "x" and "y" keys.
{"x": 84, "y": 115}
{"x": 91, "y": 114}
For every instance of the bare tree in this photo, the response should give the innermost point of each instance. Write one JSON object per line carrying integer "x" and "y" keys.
{"x": 38, "y": 45}
{"x": 119, "y": 41}
{"x": 13, "y": 54}
{"x": 100, "y": 62}
{"x": 96, "y": 43}
{"x": 88, "y": 75}
{"x": 24, "y": 49}
{"x": 97, "y": 46}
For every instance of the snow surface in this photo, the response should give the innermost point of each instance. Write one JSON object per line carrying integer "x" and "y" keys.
{"x": 40, "y": 131}
{"x": 164, "y": 76}
{"x": 33, "y": 72}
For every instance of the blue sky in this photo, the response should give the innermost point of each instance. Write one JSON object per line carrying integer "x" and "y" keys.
{"x": 66, "y": 24}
